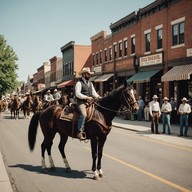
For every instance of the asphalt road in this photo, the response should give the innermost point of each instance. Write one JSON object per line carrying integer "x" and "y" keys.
{"x": 131, "y": 163}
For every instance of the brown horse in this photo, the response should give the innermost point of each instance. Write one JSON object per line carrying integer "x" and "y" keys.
{"x": 96, "y": 130}
{"x": 37, "y": 104}
{"x": 15, "y": 107}
{"x": 27, "y": 106}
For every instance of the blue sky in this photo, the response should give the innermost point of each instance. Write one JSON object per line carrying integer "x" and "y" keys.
{"x": 37, "y": 29}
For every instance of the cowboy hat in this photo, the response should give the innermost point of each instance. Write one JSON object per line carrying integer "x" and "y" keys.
{"x": 154, "y": 97}
{"x": 165, "y": 99}
{"x": 86, "y": 70}
{"x": 184, "y": 99}
{"x": 48, "y": 91}
{"x": 55, "y": 90}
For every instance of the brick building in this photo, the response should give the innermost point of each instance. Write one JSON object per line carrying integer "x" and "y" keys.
{"x": 143, "y": 47}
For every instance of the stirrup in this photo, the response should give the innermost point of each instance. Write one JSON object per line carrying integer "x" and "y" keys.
{"x": 82, "y": 136}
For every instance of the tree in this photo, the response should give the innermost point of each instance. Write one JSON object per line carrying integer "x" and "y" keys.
{"x": 8, "y": 67}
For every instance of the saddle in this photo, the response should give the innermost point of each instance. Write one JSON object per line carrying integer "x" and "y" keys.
{"x": 71, "y": 113}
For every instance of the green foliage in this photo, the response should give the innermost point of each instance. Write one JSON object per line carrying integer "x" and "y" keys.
{"x": 8, "y": 67}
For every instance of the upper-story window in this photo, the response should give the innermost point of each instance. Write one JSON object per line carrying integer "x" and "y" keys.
{"x": 100, "y": 56}
{"x": 132, "y": 44}
{"x": 178, "y": 31}
{"x": 115, "y": 50}
{"x": 105, "y": 54}
{"x": 120, "y": 49}
{"x": 159, "y": 38}
{"x": 125, "y": 47}
{"x": 93, "y": 58}
{"x": 97, "y": 59}
{"x": 110, "y": 53}
{"x": 147, "y": 42}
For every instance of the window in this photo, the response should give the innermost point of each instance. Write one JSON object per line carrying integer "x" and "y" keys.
{"x": 132, "y": 45}
{"x": 120, "y": 49}
{"x": 159, "y": 39}
{"x": 125, "y": 47}
{"x": 93, "y": 57}
{"x": 105, "y": 54}
{"x": 115, "y": 50}
{"x": 110, "y": 53}
{"x": 97, "y": 60}
{"x": 147, "y": 42}
{"x": 178, "y": 33}
{"x": 100, "y": 57}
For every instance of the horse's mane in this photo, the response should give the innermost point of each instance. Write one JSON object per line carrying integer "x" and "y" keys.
{"x": 109, "y": 97}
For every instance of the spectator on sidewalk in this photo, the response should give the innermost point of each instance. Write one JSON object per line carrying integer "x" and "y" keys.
{"x": 140, "y": 110}
{"x": 155, "y": 113}
{"x": 174, "y": 110}
{"x": 146, "y": 109}
{"x": 184, "y": 110}
{"x": 166, "y": 111}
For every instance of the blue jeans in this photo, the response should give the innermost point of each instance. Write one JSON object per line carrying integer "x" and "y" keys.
{"x": 139, "y": 114}
{"x": 166, "y": 121}
{"x": 184, "y": 123}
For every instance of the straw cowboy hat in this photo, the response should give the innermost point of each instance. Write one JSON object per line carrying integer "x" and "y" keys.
{"x": 55, "y": 90}
{"x": 86, "y": 70}
{"x": 48, "y": 91}
{"x": 165, "y": 99}
{"x": 154, "y": 97}
{"x": 184, "y": 99}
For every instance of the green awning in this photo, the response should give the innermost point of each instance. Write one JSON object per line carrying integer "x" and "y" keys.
{"x": 142, "y": 77}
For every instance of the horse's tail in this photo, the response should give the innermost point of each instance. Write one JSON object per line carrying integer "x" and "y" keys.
{"x": 32, "y": 130}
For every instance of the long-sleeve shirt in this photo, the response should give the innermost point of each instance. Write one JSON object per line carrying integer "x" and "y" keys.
{"x": 48, "y": 97}
{"x": 166, "y": 108}
{"x": 154, "y": 106}
{"x": 82, "y": 96}
{"x": 184, "y": 108}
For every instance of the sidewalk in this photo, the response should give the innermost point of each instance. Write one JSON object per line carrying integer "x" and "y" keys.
{"x": 144, "y": 128}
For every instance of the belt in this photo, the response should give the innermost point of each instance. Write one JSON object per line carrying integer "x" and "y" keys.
{"x": 167, "y": 113}
{"x": 155, "y": 111}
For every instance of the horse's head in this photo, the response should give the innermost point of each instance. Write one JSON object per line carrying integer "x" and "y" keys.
{"x": 128, "y": 97}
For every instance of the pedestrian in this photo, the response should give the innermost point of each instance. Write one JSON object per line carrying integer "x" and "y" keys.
{"x": 140, "y": 110}
{"x": 84, "y": 92}
{"x": 166, "y": 111}
{"x": 174, "y": 110}
{"x": 155, "y": 113}
{"x": 184, "y": 110}
{"x": 146, "y": 109}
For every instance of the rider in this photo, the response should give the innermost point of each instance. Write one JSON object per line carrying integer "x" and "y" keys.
{"x": 48, "y": 97}
{"x": 56, "y": 96}
{"x": 84, "y": 92}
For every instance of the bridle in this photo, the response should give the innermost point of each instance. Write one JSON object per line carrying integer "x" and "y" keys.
{"x": 128, "y": 102}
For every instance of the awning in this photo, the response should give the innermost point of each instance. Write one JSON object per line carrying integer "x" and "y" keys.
{"x": 177, "y": 73}
{"x": 92, "y": 78}
{"x": 66, "y": 83}
{"x": 104, "y": 77}
{"x": 142, "y": 77}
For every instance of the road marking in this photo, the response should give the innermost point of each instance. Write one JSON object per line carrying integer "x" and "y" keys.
{"x": 155, "y": 141}
{"x": 145, "y": 172}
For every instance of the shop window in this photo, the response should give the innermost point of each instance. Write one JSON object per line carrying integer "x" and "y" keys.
{"x": 115, "y": 50}
{"x": 132, "y": 45}
{"x": 93, "y": 57}
{"x": 100, "y": 56}
{"x": 97, "y": 60}
{"x": 105, "y": 54}
{"x": 110, "y": 53}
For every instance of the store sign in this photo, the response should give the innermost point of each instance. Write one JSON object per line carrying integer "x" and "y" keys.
{"x": 151, "y": 60}
{"x": 97, "y": 69}
{"x": 189, "y": 52}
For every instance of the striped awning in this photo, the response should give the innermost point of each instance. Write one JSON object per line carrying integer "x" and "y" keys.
{"x": 178, "y": 73}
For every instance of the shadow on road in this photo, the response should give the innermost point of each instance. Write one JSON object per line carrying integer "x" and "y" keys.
{"x": 59, "y": 171}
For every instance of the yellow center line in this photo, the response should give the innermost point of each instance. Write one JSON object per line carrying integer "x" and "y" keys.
{"x": 145, "y": 172}
{"x": 155, "y": 141}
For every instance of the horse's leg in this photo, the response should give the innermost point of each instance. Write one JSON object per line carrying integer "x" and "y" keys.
{"x": 101, "y": 142}
{"x": 51, "y": 163}
{"x": 94, "y": 157}
{"x": 61, "y": 146}
{"x": 43, "y": 148}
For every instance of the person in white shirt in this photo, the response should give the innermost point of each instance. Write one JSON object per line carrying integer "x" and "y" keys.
{"x": 48, "y": 96}
{"x": 166, "y": 111}
{"x": 155, "y": 113}
{"x": 84, "y": 92}
{"x": 184, "y": 111}
{"x": 56, "y": 96}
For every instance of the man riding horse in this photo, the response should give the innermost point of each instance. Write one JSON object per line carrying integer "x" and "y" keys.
{"x": 85, "y": 92}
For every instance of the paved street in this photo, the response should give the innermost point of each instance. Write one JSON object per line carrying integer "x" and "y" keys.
{"x": 134, "y": 160}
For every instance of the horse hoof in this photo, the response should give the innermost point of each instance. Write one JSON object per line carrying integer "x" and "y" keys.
{"x": 68, "y": 170}
{"x": 96, "y": 177}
